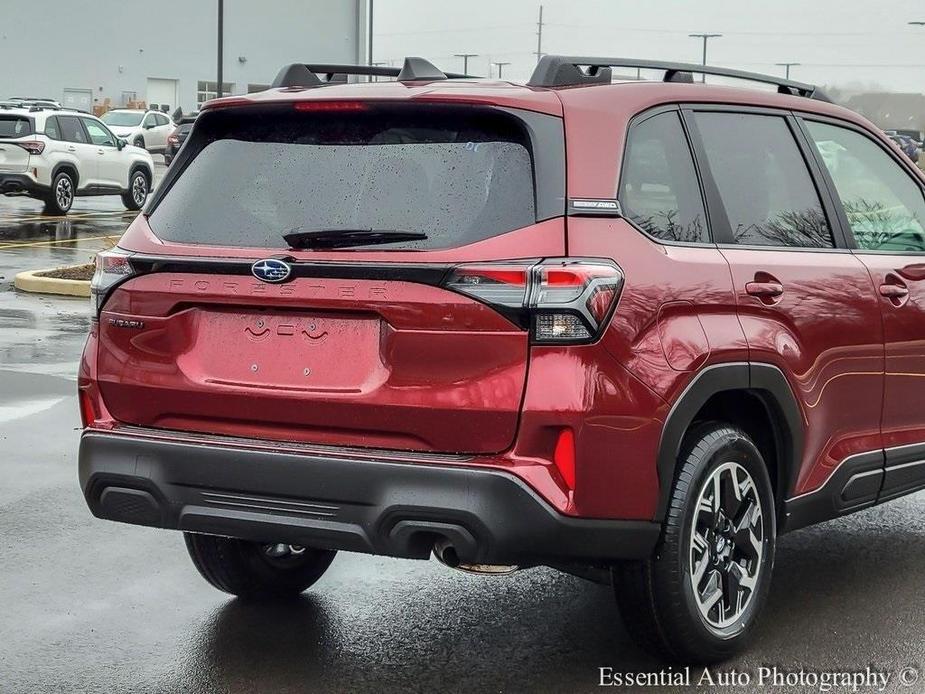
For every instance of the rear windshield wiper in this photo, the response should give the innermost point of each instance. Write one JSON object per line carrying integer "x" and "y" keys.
{"x": 344, "y": 238}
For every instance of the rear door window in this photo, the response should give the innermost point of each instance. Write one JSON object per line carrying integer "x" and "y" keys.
{"x": 884, "y": 205}
{"x": 763, "y": 180}
{"x": 456, "y": 175}
{"x": 71, "y": 129}
{"x": 15, "y": 126}
{"x": 659, "y": 190}
{"x": 51, "y": 128}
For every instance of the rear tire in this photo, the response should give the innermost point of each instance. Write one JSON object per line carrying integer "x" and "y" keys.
{"x": 250, "y": 569}
{"x": 138, "y": 188}
{"x": 718, "y": 539}
{"x": 61, "y": 196}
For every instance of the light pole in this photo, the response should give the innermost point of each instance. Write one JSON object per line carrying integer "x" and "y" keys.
{"x": 465, "y": 57}
{"x": 500, "y": 66}
{"x": 221, "y": 41}
{"x": 786, "y": 67}
{"x": 705, "y": 38}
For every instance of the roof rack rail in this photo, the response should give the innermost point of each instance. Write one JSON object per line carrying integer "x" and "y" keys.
{"x": 570, "y": 71}
{"x": 319, "y": 74}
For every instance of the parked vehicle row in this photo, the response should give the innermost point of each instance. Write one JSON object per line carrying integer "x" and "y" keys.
{"x": 55, "y": 155}
{"x": 910, "y": 147}
{"x": 648, "y": 354}
{"x": 176, "y": 139}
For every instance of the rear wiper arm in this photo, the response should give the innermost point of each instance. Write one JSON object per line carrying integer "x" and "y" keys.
{"x": 344, "y": 238}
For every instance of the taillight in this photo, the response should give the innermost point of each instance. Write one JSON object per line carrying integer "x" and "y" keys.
{"x": 87, "y": 410}
{"x": 173, "y": 139}
{"x": 112, "y": 268}
{"x": 32, "y": 146}
{"x": 561, "y": 300}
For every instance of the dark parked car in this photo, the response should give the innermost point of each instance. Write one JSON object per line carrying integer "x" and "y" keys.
{"x": 178, "y": 137}
{"x": 404, "y": 318}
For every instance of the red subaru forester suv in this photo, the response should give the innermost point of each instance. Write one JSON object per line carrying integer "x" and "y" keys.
{"x": 629, "y": 330}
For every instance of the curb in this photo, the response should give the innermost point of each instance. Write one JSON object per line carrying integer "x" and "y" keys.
{"x": 31, "y": 282}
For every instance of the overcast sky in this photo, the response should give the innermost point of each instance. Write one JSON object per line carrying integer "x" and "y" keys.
{"x": 838, "y": 42}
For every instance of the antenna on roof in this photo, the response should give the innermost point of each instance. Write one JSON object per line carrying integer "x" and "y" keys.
{"x": 418, "y": 69}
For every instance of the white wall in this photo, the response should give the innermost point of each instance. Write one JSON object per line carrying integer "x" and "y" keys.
{"x": 111, "y": 46}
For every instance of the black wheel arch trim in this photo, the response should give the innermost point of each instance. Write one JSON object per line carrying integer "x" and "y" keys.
{"x": 765, "y": 381}
{"x": 70, "y": 169}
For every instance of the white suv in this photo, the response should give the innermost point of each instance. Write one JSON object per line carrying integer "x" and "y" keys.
{"x": 56, "y": 154}
{"x": 147, "y": 129}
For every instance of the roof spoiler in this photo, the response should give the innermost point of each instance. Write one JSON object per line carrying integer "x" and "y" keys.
{"x": 572, "y": 71}
{"x": 320, "y": 74}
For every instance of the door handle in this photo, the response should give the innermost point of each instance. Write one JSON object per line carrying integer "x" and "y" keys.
{"x": 764, "y": 289}
{"x": 71, "y": 149}
{"x": 893, "y": 291}
{"x": 100, "y": 151}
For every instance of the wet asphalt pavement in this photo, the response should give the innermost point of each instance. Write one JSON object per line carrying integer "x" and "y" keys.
{"x": 92, "y": 606}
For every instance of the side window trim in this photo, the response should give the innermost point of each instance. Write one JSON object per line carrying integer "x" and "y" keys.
{"x": 831, "y": 204}
{"x": 843, "y": 221}
{"x": 639, "y": 119}
{"x": 722, "y": 229}
{"x": 718, "y": 222}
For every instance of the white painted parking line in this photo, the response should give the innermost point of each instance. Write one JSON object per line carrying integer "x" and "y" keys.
{"x": 26, "y": 408}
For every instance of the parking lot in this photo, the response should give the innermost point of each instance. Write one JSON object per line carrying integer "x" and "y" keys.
{"x": 91, "y": 606}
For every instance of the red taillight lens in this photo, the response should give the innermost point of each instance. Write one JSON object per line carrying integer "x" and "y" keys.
{"x": 173, "y": 139}
{"x": 330, "y": 106}
{"x": 32, "y": 146}
{"x": 87, "y": 410}
{"x": 563, "y": 301}
{"x": 564, "y": 457}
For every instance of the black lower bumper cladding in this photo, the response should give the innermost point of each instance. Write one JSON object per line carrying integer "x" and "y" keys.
{"x": 381, "y": 507}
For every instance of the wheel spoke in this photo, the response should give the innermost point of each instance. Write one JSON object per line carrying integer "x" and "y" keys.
{"x": 711, "y": 594}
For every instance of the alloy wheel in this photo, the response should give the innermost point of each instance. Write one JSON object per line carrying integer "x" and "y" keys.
{"x": 64, "y": 193}
{"x": 726, "y": 545}
{"x": 139, "y": 189}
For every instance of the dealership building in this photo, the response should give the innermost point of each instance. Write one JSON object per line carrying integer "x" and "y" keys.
{"x": 165, "y": 53}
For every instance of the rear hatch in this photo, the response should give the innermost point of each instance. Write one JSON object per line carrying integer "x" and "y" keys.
{"x": 316, "y": 278}
{"x": 14, "y": 127}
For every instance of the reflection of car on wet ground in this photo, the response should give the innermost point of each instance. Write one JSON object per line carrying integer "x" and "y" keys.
{"x": 178, "y": 137}
{"x": 146, "y": 129}
{"x": 56, "y": 155}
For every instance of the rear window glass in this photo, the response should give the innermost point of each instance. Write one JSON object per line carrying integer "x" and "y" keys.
{"x": 456, "y": 175}
{"x": 15, "y": 126}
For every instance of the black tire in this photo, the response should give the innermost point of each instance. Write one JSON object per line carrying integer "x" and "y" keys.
{"x": 139, "y": 142}
{"x": 139, "y": 185}
{"x": 61, "y": 196}
{"x": 246, "y": 569}
{"x": 657, "y": 597}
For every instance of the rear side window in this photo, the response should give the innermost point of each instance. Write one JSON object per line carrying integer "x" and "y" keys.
{"x": 765, "y": 186}
{"x": 659, "y": 189}
{"x": 15, "y": 126}
{"x": 71, "y": 130}
{"x": 456, "y": 175}
{"x": 884, "y": 205}
{"x": 51, "y": 128}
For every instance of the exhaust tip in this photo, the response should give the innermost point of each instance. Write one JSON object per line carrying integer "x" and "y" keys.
{"x": 446, "y": 554}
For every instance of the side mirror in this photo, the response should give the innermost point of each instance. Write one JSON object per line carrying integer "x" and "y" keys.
{"x": 120, "y": 143}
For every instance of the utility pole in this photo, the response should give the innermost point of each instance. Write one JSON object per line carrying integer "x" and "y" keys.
{"x": 539, "y": 36}
{"x": 705, "y": 37}
{"x": 465, "y": 57}
{"x": 500, "y": 65}
{"x": 221, "y": 40}
{"x": 369, "y": 48}
{"x": 786, "y": 67}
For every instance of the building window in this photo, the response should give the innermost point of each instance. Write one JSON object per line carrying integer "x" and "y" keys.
{"x": 251, "y": 88}
{"x": 209, "y": 90}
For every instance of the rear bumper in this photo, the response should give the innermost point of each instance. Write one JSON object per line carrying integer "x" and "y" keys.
{"x": 335, "y": 501}
{"x": 20, "y": 183}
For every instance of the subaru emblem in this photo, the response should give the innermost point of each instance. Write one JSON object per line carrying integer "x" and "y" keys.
{"x": 271, "y": 270}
